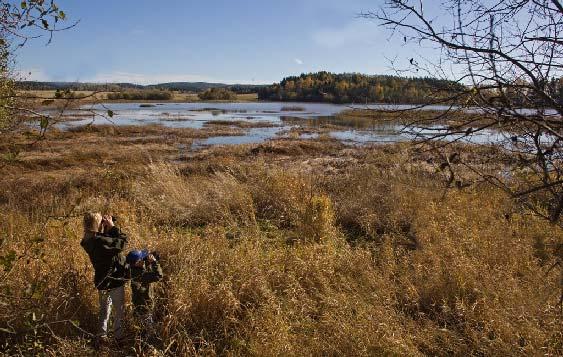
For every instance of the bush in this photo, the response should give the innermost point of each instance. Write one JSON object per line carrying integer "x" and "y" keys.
{"x": 217, "y": 94}
{"x": 140, "y": 95}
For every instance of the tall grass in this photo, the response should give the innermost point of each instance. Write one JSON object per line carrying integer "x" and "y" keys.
{"x": 265, "y": 258}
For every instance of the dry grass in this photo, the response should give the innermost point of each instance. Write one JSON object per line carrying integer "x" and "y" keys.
{"x": 284, "y": 248}
{"x": 423, "y": 117}
{"x": 240, "y": 123}
{"x": 90, "y": 96}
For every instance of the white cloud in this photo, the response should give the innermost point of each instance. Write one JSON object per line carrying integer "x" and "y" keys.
{"x": 357, "y": 32}
{"x": 38, "y": 74}
{"x": 298, "y": 61}
{"x": 137, "y": 31}
{"x": 139, "y": 78}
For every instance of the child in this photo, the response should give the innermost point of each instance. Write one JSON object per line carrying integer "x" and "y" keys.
{"x": 144, "y": 270}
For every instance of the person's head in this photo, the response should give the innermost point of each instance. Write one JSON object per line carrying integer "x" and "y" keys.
{"x": 92, "y": 222}
{"x": 136, "y": 257}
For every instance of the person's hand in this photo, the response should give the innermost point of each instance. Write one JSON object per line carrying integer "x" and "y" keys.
{"x": 107, "y": 221}
{"x": 151, "y": 259}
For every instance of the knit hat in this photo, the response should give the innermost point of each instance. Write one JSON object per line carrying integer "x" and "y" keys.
{"x": 136, "y": 255}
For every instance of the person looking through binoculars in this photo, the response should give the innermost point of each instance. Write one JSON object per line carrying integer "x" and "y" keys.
{"x": 104, "y": 242}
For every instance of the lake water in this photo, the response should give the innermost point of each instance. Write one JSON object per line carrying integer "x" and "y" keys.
{"x": 270, "y": 120}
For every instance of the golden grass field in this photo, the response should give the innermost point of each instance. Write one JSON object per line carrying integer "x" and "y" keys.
{"x": 90, "y": 96}
{"x": 287, "y": 248}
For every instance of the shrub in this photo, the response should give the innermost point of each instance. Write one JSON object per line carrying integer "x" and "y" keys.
{"x": 140, "y": 95}
{"x": 217, "y": 94}
{"x": 317, "y": 221}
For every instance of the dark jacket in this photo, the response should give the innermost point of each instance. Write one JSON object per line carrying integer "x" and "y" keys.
{"x": 141, "y": 288}
{"x": 104, "y": 250}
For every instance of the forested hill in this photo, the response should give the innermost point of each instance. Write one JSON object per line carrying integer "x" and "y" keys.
{"x": 356, "y": 88}
{"x": 179, "y": 86}
{"x": 310, "y": 87}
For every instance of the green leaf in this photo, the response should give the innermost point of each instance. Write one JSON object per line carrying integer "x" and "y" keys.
{"x": 23, "y": 5}
{"x": 44, "y": 123}
{"x": 110, "y": 113}
{"x": 62, "y": 15}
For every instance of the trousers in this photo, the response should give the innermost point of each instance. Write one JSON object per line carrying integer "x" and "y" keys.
{"x": 111, "y": 298}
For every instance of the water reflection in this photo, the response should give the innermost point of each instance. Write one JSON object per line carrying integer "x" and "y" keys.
{"x": 280, "y": 117}
{"x": 252, "y": 136}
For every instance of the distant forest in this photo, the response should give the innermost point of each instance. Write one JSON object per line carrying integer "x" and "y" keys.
{"x": 115, "y": 87}
{"x": 313, "y": 87}
{"x": 356, "y": 88}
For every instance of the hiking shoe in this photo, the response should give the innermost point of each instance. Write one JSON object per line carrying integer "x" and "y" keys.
{"x": 101, "y": 341}
{"x": 121, "y": 342}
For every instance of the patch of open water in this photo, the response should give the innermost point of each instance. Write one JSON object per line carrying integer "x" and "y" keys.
{"x": 282, "y": 117}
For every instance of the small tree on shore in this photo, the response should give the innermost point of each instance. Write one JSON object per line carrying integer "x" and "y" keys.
{"x": 21, "y": 21}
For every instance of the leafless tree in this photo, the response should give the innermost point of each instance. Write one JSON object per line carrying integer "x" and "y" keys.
{"x": 508, "y": 54}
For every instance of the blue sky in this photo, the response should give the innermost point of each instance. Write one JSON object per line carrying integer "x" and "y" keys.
{"x": 244, "y": 41}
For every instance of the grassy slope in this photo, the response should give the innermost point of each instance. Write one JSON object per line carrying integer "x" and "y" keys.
{"x": 289, "y": 248}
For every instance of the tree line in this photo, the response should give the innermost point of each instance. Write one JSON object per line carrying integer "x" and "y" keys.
{"x": 196, "y": 87}
{"x": 357, "y": 88}
{"x": 140, "y": 95}
{"x": 75, "y": 86}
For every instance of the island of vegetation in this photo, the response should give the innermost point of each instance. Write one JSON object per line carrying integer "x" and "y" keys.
{"x": 217, "y": 94}
{"x": 140, "y": 95}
